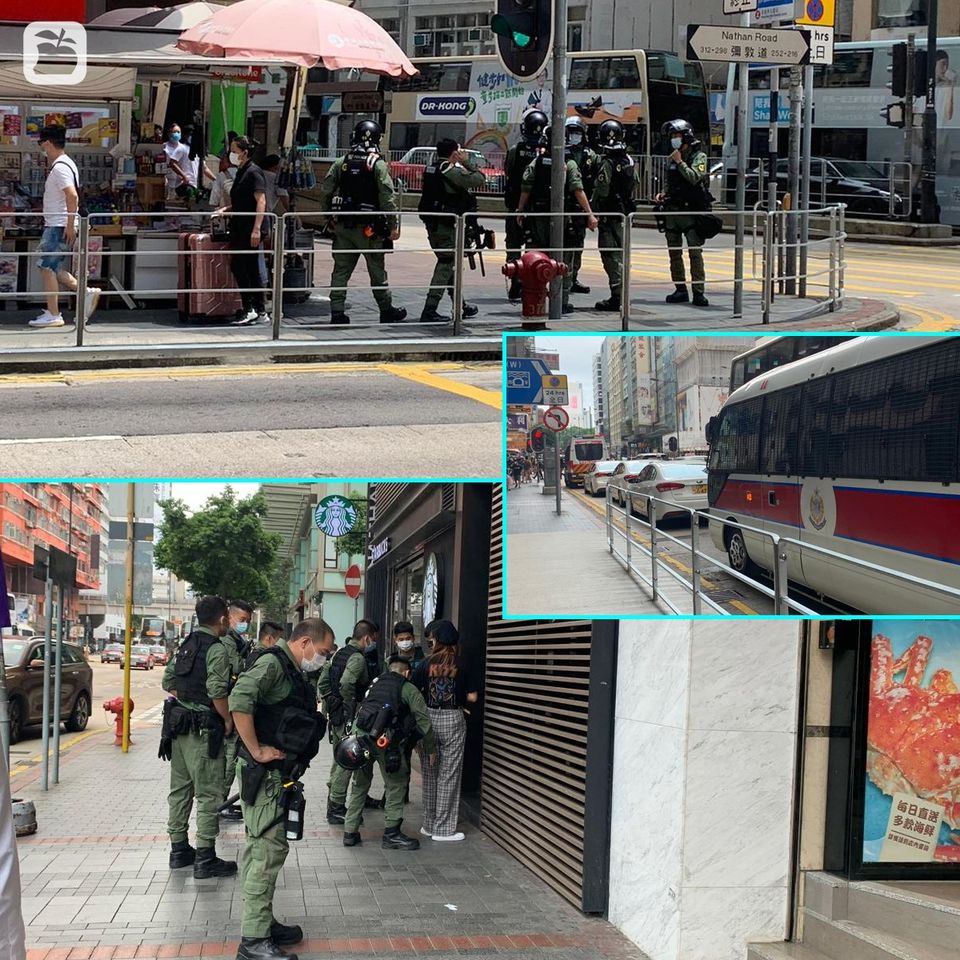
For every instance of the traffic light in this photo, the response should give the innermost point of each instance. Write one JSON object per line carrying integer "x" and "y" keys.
{"x": 524, "y": 30}
{"x": 898, "y": 70}
{"x": 537, "y": 440}
{"x": 894, "y": 114}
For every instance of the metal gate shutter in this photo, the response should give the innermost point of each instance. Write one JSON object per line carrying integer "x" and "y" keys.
{"x": 533, "y": 787}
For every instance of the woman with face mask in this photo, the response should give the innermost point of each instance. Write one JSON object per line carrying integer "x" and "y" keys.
{"x": 180, "y": 175}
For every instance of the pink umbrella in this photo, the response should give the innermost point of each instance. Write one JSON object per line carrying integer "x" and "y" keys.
{"x": 303, "y": 32}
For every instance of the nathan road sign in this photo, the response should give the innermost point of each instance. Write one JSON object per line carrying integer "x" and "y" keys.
{"x": 555, "y": 392}
{"x": 524, "y": 380}
{"x": 748, "y": 45}
{"x": 739, "y": 6}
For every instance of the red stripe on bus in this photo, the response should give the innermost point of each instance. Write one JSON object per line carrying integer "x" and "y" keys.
{"x": 747, "y": 497}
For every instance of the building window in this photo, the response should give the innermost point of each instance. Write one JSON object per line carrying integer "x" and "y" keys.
{"x": 330, "y": 556}
{"x": 574, "y": 37}
{"x": 901, "y": 13}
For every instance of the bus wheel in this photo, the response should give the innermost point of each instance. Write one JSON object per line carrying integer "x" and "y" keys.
{"x": 737, "y": 554}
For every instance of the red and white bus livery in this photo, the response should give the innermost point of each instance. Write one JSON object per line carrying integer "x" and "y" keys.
{"x": 853, "y": 449}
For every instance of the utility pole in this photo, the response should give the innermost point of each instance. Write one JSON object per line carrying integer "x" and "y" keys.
{"x": 928, "y": 176}
{"x": 558, "y": 177}
{"x": 793, "y": 172}
{"x": 743, "y": 151}
{"x": 909, "y": 98}
{"x": 128, "y": 638}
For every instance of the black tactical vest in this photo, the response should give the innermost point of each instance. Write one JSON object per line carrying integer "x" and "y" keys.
{"x": 524, "y": 156}
{"x": 292, "y": 724}
{"x": 339, "y": 664}
{"x": 589, "y": 164}
{"x": 540, "y": 191}
{"x": 383, "y": 698}
{"x": 439, "y": 196}
{"x": 358, "y": 186}
{"x": 683, "y": 195}
{"x": 190, "y": 668}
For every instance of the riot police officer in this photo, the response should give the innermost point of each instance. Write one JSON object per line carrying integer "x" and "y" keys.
{"x": 535, "y": 196}
{"x": 238, "y": 647}
{"x": 519, "y": 157}
{"x": 588, "y": 161}
{"x": 195, "y": 723}
{"x": 447, "y": 183}
{"x": 342, "y": 685}
{"x": 392, "y": 715}
{"x": 363, "y": 182}
{"x": 275, "y": 711}
{"x": 614, "y": 194}
{"x": 686, "y": 191}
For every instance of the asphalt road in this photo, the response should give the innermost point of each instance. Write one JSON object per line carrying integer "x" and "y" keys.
{"x": 317, "y": 420}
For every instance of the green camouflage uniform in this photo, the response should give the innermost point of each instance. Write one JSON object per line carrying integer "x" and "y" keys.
{"x": 193, "y": 774}
{"x": 539, "y": 227}
{"x": 266, "y": 839}
{"x": 694, "y": 171}
{"x": 349, "y": 242}
{"x": 394, "y": 784}
{"x": 610, "y": 232}
{"x": 233, "y": 643}
{"x": 588, "y": 162}
{"x": 442, "y": 232}
{"x": 354, "y": 674}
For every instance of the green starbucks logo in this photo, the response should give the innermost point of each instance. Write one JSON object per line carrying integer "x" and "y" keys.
{"x": 336, "y": 516}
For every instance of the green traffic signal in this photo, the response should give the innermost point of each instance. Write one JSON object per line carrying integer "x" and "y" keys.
{"x": 507, "y": 27}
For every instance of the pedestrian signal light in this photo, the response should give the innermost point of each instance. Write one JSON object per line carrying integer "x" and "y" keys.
{"x": 524, "y": 34}
{"x": 537, "y": 440}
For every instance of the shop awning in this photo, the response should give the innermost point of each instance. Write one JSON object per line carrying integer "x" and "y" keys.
{"x": 100, "y": 83}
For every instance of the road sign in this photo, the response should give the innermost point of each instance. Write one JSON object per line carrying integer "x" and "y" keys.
{"x": 821, "y": 44}
{"x": 555, "y": 390}
{"x": 336, "y": 515}
{"x": 818, "y": 13}
{"x": 351, "y": 582}
{"x": 773, "y": 11}
{"x": 739, "y": 6}
{"x": 518, "y": 422}
{"x": 556, "y": 419}
{"x": 525, "y": 380}
{"x": 748, "y": 45}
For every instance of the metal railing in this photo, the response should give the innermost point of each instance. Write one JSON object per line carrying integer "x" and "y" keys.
{"x": 786, "y": 553}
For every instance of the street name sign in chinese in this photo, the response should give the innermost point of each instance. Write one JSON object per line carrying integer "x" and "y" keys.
{"x": 748, "y": 45}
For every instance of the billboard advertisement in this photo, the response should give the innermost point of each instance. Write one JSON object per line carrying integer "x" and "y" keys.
{"x": 912, "y": 775}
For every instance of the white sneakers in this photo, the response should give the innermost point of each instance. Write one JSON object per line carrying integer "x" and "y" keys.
{"x": 251, "y": 317}
{"x": 47, "y": 319}
{"x": 92, "y": 299}
{"x": 454, "y": 838}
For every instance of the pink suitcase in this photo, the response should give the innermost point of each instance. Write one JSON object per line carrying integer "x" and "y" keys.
{"x": 205, "y": 265}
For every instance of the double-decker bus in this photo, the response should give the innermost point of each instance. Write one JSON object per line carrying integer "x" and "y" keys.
{"x": 156, "y": 630}
{"x": 849, "y": 96}
{"x": 773, "y": 352}
{"x": 580, "y": 455}
{"x": 853, "y": 449}
{"x": 472, "y": 100}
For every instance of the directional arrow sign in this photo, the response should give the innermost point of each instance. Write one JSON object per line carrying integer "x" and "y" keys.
{"x": 525, "y": 380}
{"x": 748, "y": 45}
{"x": 739, "y": 6}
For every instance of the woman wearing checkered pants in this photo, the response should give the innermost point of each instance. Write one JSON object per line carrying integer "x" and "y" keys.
{"x": 446, "y": 685}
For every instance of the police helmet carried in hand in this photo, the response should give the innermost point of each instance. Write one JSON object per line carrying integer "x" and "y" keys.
{"x": 612, "y": 135}
{"x": 533, "y": 125}
{"x": 367, "y": 134}
{"x": 353, "y": 753}
{"x": 574, "y": 131}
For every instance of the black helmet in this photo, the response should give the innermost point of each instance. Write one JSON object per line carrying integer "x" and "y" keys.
{"x": 680, "y": 128}
{"x": 353, "y": 753}
{"x": 611, "y": 135}
{"x": 533, "y": 126}
{"x": 571, "y": 126}
{"x": 366, "y": 134}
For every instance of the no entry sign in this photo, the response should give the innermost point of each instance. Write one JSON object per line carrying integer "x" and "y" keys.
{"x": 351, "y": 582}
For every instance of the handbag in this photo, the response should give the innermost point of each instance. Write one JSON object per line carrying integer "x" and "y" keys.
{"x": 708, "y": 225}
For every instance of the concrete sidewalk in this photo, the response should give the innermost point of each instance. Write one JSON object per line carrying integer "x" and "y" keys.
{"x": 96, "y": 885}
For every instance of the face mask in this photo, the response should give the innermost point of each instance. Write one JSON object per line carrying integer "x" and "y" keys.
{"x": 315, "y": 662}
{"x": 174, "y": 137}
{"x": 235, "y": 159}
{"x": 241, "y": 628}
{"x": 676, "y": 143}
{"x": 405, "y": 645}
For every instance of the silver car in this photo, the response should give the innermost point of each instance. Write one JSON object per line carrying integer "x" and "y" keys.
{"x": 679, "y": 482}
{"x": 595, "y": 482}
{"x": 625, "y": 475}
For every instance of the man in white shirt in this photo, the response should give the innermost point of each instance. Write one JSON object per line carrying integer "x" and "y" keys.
{"x": 180, "y": 172}
{"x": 61, "y": 199}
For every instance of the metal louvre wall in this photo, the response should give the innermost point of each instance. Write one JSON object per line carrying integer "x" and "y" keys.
{"x": 534, "y": 782}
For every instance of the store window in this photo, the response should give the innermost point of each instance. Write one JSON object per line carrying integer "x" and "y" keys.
{"x": 901, "y": 13}
{"x": 330, "y": 557}
{"x": 408, "y": 596}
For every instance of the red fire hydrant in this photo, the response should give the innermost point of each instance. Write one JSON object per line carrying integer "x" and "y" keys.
{"x": 534, "y": 270}
{"x": 116, "y": 706}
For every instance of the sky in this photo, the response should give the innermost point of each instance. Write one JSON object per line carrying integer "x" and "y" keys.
{"x": 576, "y": 359}
{"x": 195, "y": 494}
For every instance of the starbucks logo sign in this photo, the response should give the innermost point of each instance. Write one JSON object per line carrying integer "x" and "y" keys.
{"x": 336, "y": 515}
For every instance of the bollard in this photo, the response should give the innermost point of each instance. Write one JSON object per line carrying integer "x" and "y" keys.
{"x": 695, "y": 560}
{"x": 24, "y": 817}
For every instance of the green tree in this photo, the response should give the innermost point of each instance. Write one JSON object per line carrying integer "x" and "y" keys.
{"x": 355, "y": 542}
{"x": 277, "y": 604}
{"x": 222, "y": 549}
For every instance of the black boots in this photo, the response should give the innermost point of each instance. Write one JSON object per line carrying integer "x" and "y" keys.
{"x": 255, "y": 948}
{"x": 432, "y": 315}
{"x": 233, "y": 812}
{"x": 351, "y": 839}
{"x": 469, "y": 310}
{"x": 371, "y": 803}
{"x": 208, "y": 865}
{"x": 699, "y": 300}
{"x": 578, "y": 287}
{"x": 181, "y": 855}
{"x": 679, "y": 295}
{"x": 336, "y": 812}
{"x": 393, "y": 839}
{"x": 393, "y": 315}
{"x": 283, "y": 933}
{"x": 338, "y": 316}
{"x": 611, "y": 304}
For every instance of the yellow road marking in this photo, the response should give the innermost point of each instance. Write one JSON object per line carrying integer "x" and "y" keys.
{"x": 934, "y": 320}
{"x": 23, "y": 766}
{"x": 423, "y": 376}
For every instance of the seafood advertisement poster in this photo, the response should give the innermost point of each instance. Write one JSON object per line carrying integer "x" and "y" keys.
{"x": 912, "y": 797}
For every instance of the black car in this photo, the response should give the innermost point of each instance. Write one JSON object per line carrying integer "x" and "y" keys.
{"x": 861, "y": 185}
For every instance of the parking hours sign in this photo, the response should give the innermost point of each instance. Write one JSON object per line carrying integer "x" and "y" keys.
{"x": 820, "y": 16}
{"x": 555, "y": 390}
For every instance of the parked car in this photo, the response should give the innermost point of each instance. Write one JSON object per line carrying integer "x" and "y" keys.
{"x": 624, "y": 477}
{"x": 160, "y": 654}
{"x": 683, "y": 483}
{"x": 141, "y": 658}
{"x": 863, "y": 187}
{"x": 407, "y": 172}
{"x": 595, "y": 482}
{"x": 112, "y": 653}
{"x": 23, "y": 657}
